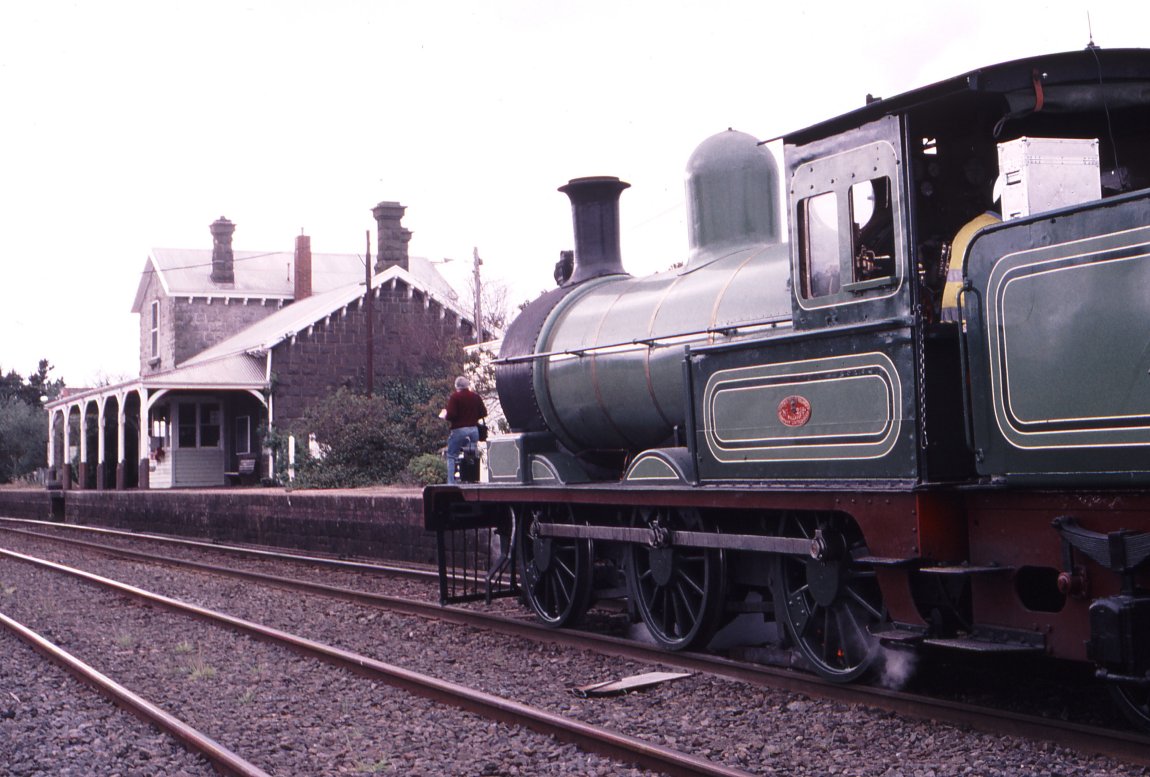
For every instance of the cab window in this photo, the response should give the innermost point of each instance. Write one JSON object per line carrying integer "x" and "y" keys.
{"x": 846, "y": 215}
{"x": 872, "y": 225}
{"x": 819, "y": 248}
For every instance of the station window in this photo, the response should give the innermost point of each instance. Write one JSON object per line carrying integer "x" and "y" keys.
{"x": 209, "y": 426}
{"x": 198, "y": 425}
{"x": 155, "y": 333}
{"x": 243, "y": 441}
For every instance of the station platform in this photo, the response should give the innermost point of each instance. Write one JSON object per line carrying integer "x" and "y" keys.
{"x": 374, "y": 523}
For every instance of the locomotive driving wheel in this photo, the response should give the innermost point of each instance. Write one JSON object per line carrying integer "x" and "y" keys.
{"x": 678, "y": 591}
{"x": 556, "y": 572}
{"x": 827, "y": 601}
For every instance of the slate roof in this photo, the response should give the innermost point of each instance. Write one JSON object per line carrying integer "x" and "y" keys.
{"x": 264, "y": 275}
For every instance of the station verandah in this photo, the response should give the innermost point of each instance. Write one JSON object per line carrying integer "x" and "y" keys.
{"x": 132, "y": 436}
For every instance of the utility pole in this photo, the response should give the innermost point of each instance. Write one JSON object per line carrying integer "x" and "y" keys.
{"x": 478, "y": 298}
{"x": 370, "y": 314}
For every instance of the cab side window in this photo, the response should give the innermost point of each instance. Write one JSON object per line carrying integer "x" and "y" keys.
{"x": 872, "y": 225}
{"x": 819, "y": 246}
{"x": 846, "y": 217}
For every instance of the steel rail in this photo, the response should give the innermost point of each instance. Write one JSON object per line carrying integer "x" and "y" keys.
{"x": 234, "y": 549}
{"x": 1129, "y": 746}
{"x": 610, "y": 743}
{"x": 220, "y": 757}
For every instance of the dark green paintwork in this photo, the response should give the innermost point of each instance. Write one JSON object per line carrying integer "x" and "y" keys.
{"x": 860, "y": 388}
{"x": 1059, "y": 334}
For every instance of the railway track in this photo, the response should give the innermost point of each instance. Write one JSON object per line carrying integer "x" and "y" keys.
{"x": 221, "y": 758}
{"x": 621, "y": 747}
{"x": 1126, "y": 746}
{"x": 270, "y": 554}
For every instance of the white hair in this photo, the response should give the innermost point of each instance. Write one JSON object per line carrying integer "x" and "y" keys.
{"x": 462, "y": 383}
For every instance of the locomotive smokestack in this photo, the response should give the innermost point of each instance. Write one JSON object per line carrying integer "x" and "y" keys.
{"x": 595, "y": 211}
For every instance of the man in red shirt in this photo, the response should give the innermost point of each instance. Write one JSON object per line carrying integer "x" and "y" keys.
{"x": 464, "y": 409}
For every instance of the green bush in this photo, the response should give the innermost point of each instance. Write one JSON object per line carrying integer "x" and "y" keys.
{"x": 371, "y": 440}
{"x": 427, "y": 469}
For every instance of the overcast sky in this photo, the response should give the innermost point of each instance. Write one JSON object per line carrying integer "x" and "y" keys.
{"x": 132, "y": 125}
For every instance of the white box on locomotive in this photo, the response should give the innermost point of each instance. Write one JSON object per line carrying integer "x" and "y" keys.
{"x": 1038, "y": 174}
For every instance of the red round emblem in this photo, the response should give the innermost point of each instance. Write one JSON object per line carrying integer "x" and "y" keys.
{"x": 794, "y": 410}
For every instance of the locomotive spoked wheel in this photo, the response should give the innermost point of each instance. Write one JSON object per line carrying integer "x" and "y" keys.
{"x": 678, "y": 591}
{"x": 556, "y": 572}
{"x": 829, "y": 603}
{"x": 1134, "y": 701}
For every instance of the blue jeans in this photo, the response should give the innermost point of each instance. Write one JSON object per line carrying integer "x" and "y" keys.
{"x": 456, "y": 442}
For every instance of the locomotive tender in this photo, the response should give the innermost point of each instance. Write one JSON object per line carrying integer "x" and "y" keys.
{"x": 896, "y": 396}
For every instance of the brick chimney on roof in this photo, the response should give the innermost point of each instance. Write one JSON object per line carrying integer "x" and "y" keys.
{"x": 393, "y": 238}
{"x": 223, "y": 262}
{"x": 302, "y": 267}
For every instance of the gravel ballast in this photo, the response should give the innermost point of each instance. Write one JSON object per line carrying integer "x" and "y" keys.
{"x": 760, "y": 730}
{"x": 51, "y": 724}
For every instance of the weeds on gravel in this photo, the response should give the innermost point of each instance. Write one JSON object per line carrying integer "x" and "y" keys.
{"x": 198, "y": 668}
{"x": 8, "y": 590}
{"x": 125, "y": 640}
{"x": 381, "y": 765}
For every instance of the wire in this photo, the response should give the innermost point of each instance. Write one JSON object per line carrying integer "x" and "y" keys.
{"x": 209, "y": 264}
{"x": 1105, "y": 106}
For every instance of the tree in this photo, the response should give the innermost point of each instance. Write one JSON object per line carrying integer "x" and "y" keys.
{"x": 23, "y": 439}
{"x": 493, "y": 299}
{"x": 23, "y": 427}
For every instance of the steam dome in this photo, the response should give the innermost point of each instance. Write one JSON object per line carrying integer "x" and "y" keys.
{"x": 732, "y": 196}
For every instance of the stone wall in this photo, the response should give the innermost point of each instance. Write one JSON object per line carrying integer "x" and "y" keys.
{"x": 188, "y": 327}
{"x": 385, "y": 526}
{"x": 409, "y": 332}
{"x": 203, "y": 322}
{"x": 31, "y": 503}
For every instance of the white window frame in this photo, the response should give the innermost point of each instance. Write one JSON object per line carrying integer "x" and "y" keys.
{"x": 155, "y": 332}
{"x": 181, "y": 422}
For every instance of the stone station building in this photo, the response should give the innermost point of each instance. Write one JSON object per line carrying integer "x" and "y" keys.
{"x": 235, "y": 341}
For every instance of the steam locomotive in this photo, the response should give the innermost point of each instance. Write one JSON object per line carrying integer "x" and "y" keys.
{"x": 897, "y": 397}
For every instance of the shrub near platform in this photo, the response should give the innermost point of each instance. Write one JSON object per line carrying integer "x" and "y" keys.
{"x": 370, "y": 440}
{"x": 427, "y": 469}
